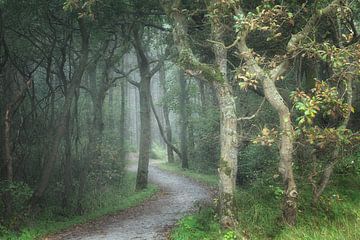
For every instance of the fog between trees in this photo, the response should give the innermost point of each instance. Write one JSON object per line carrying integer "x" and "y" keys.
{"x": 257, "y": 92}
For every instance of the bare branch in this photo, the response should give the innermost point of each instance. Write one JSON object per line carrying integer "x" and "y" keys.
{"x": 126, "y": 75}
{"x": 254, "y": 115}
{"x": 309, "y": 27}
{"x": 161, "y": 129}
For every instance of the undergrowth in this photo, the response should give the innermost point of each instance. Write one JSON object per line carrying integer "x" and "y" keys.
{"x": 98, "y": 203}
{"x": 336, "y": 218}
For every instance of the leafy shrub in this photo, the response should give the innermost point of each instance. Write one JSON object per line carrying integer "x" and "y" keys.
{"x": 19, "y": 193}
{"x": 256, "y": 162}
{"x": 108, "y": 168}
{"x": 198, "y": 226}
{"x": 350, "y": 164}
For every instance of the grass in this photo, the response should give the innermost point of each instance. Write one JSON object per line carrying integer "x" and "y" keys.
{"x": 336, "y": 218}
{"x": 110, "y": 201}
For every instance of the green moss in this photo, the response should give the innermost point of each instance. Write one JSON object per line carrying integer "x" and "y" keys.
{"x": 228, "y": 171}
{"x": 224, "y": 167}
{"x": 188, "y": 61}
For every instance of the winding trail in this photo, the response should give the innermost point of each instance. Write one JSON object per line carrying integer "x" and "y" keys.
{"x": 149, "y": 220}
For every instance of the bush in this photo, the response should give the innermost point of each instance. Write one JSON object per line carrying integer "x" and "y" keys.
{"x": 20, "y": 193}
{"x": 256, "y": 162}
{"x": 108, "y": 168}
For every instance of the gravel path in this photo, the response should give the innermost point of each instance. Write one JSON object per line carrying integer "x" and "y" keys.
{"x": 151, "y": 219}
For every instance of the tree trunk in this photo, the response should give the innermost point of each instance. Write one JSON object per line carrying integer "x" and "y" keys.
{"x": 319, "y": 189}
{"x": 161, "y": 130}
{"x": 162, "y": 78}
{"x": 190, "y": 126}
{"x": 8, "y": 159}
{"x": 218, "y": 76}
{"x": 111, "y": 109}
{"x": 202, "y": 97}
{"x": 95, "y": 132}
{"x": 228, "y": 129}
{"x": 122, "y": 121}
{"x": 136, "y": 115}
{"x": 145, "y": 134}
{"x": 88, "y": 155}
{"x": 289, "y": 206}
{"x": 229, "y": 151}
{"x": 67, "y": 164}
{"x": 144, "y": 88}
{"x": 52, "y": 154}
{"x": 324, "y": 181}
{"x": 183, "y": 119}
{"x": 145, "y": 110}
{"x": 97, "y": 97}
{"x": 99, "y": 116}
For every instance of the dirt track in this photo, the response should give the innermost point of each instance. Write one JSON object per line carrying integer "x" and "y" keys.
{"x": 149, "y": 220}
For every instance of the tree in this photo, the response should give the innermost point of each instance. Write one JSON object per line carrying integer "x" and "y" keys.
{"x": 146, "y": 73}
{"x": 217, "y": 74}
{"x": 166, "y": 112}
{"x": 272, "y": 20}
{"x": 184, "y": 122}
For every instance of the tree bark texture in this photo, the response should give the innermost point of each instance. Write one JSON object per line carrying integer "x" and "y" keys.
{"x": 228, "y": 128}
{"x": 228, "y": 121}
{"x": 145, "y": 134}
{"x": 228, "y": 154}
{"x": 183, "y": 120}
{"x": 145, "y": 110}
{"x": 289, "y": 206}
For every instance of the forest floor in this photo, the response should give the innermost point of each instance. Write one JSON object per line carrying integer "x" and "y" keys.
{"x": 150, "y": 220}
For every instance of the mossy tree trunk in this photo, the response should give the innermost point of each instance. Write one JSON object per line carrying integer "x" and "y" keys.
{"x": 228, "y": 126}
{"x": 289, "y": 206}
{"x": 286, "y": 150}
{"x": 228, "y": 155}
{"x": 218, "y": 76}
{"x": 183, "y": 119}
{"x": 268, "y": 78}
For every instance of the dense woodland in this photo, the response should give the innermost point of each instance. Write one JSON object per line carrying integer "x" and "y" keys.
{"x": 261, "y": 95}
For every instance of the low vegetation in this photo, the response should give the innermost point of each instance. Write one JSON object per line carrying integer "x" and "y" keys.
{"x": 264, "y": 94}
{"x": 111, "y": 200}
{"x": 336, "y": 217}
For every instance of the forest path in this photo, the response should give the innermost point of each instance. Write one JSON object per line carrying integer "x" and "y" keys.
{"x": 151, "y": 219}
